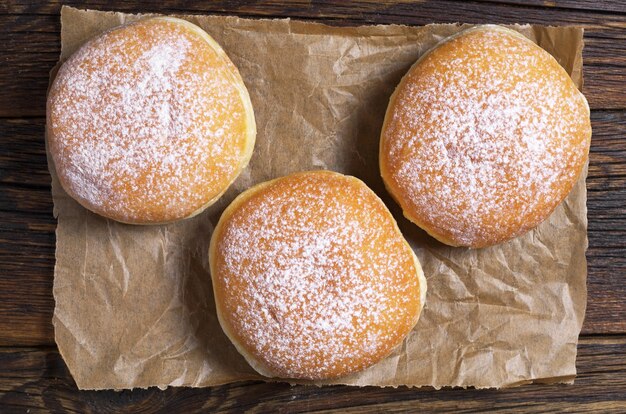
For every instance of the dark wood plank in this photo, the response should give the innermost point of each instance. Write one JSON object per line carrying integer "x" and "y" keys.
{"x": 26, "y": 274}
{"x": 37, "y": 380}
{"x": 23, "y": 155}
{"x": 30, "y": 37}
{"x": 269, "y": 6}
{"x": 27, "y": 231}
{"x": 617, "y": 6}
{"x": 30, "y": 49}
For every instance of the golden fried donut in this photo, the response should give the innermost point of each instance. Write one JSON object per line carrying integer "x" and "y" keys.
{"x": 483, "y": 138}
{"x": 312, "y": 277}
{"x": 149, "y": 122}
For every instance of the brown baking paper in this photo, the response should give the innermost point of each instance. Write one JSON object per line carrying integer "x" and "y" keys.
{"x": 134, "y": 305}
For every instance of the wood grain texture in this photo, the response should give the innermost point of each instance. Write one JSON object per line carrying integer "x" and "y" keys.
{"x": 617, "y": 6}
{"x": 27, "y": 231}
{"x": 30, "y": 37}
{"x": 324, "y": 7}
{"x": 33, "y": 377}
{"x": 37, "y": 380}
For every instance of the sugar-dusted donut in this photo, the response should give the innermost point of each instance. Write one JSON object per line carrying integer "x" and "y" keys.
{"x": 149, "y": 122}
{"x": 483, "y": 138}
{"x": 312, "y": 277}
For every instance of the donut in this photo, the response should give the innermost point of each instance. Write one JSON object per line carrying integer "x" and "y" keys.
{"x": 312, "y": 277}
{"x": 483, "y": 138}
{"x": 149, "y": 122}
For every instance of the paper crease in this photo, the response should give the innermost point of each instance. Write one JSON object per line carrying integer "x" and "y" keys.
{"x": 134, "y": 305}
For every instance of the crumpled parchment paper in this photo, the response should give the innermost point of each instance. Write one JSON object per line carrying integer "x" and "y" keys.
{"x": 134, "y": 305}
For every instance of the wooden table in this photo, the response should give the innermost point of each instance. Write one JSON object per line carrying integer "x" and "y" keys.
{"x": 33, "y": 376}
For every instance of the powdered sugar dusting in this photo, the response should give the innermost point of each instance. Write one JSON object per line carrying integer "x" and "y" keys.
{"x": 315, "y": 278}
{"x": 485, "y": 137}
{"x": 146, "y": 124}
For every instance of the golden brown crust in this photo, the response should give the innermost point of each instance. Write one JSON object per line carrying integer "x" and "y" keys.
{"x": 312, "y": 277}
{"x": 150, "y": 122}
{"x": 483, "y": 137}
